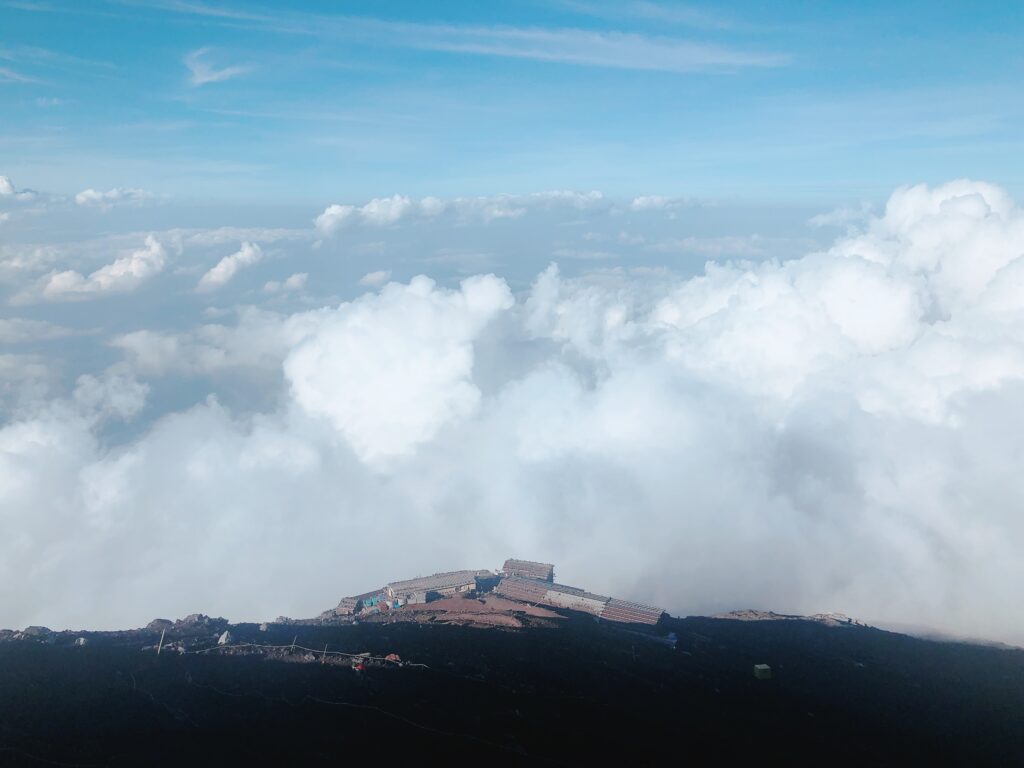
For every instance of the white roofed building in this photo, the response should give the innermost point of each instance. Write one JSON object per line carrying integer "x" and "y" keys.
{"x": 425, "y": 588}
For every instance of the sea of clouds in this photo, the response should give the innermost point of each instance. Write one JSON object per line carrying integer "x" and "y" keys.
{"x": 839, "y": 431}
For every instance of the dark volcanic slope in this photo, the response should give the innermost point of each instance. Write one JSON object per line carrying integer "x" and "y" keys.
{"x": 582, "y": 692}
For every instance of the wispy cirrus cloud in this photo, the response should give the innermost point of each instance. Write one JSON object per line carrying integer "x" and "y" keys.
{"x": 202, "y": 72}
{"x": 662, "y": 13}
{"x": 674, "y": 13}
{"x": 25, "y": 5}
{"x": 201, "y": 9}
{"x": 8, "y": 75}
{"x": 563, "y": 45}
{"x": 616, "y": 50}
{"x": 33, "y": 56}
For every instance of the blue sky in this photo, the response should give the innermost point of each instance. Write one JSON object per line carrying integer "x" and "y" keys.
{"x": 303, "y": 102}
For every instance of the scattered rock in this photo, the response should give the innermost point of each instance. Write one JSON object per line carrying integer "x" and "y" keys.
{"x": 39, "y": 634}
{"x": 160, "y": 625}
{"x": 200, "y": 624}
{"x": 81, "y": 641}
{"x": 828, "y": 619}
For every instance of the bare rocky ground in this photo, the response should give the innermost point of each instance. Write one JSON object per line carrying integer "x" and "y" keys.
{"x": 465, "y": 679}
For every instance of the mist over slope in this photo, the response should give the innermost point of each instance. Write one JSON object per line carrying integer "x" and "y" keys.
{"x": 840, "y": 431}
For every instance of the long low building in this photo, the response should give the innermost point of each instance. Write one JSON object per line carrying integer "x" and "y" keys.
{"x": 422, "y": 589}
{"x": 547, "y": 593}
{"x": 529, "y": 590}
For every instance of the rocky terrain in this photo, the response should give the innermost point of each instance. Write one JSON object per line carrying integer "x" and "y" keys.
{"x": 469, "y": 678}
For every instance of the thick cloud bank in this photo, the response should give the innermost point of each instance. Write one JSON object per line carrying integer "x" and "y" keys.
{"x": 842, "y": 431}
{"x": 389, "y": 372}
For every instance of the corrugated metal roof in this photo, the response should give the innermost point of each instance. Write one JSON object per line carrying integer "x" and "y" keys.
{"x": 631, "y": 613}
{"x": 530, "y": 569}
{"x": 437, "y": 581}
{"x": 543, "y": 592}
{"x": 540, "y": 588}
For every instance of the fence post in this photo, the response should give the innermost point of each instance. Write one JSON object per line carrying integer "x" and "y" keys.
{"x": 161, "y": 646}
{"x": 323, "y": 659}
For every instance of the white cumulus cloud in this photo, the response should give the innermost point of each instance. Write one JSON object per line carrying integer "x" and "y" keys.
{"x": 120, "y": 276}
{"x": 225, "y": 269}
{"x": 376, "y": 278}
{"x": 389, "y": 211}
{"x": 379, "y": 212}
{"x": 9, "y": 191}
{"x": 390, "y": 370}
{"x": 294, "y": 282}
{"x": 333, "y": 218}
{"x": 384, "y": 211}
{"x": 110, "y": 198}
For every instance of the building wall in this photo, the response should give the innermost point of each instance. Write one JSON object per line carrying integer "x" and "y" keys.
{"x": 518, "y": 589}
{"x": 574, "y": 602}
{"x": 529, "y": 569}
{"x": 346, "y": 607}
{"x": 439, "y": 583}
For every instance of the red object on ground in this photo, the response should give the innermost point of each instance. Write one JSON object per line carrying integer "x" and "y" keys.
{"x": 359, "y": 667}
{"x": 392, "y": 657}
